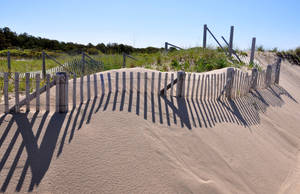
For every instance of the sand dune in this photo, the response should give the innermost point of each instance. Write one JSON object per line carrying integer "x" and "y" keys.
{"x": 159, "y": 145}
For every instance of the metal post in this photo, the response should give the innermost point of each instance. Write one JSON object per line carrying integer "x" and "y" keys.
{"x": 231, "y": 41}
{"x": 44, "y": 65}
{"x": 180, "y": 83}
{"x": 62, "y": 88}
{"x": 8, "y": 62}
{"x": 252, "y": 50}
{"x": 204, "y": 35}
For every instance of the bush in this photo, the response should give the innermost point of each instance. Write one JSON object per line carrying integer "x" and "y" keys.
{"x": 92, "y": 51}
{"x": 260, "y": 48}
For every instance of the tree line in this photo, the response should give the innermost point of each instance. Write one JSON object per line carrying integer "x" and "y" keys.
{"x": 12, "y": 40}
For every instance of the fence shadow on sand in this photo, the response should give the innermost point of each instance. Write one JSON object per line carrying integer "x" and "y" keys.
{"x": 30, "y": 141}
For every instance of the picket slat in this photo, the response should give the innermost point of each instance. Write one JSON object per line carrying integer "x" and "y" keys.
{"x": 17, "y": 95}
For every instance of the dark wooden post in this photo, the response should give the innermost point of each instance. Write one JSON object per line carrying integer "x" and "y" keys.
{"x": 229, "y": 82}
{"x": 180, "y": 84}
{"x": 231, "y": 41}
{"x": 62, "y": 92}
{"x": 277, "y": 72}
{"x": 204, "y": 35}
{"x": 268, "y": 75}
{"x": 8, "y": 62}
{"x": 252, "y": 50}
{"x": 254, "y": 78}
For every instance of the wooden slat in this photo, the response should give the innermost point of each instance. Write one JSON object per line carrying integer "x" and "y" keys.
{"x": 145, "y": 82}
{"x": 74, "y": 89}
{"x": 152, "y": 82}
{"x": 166, "y": 83}
{"x": 193, "y": 87}
{"x": 124, "y": 81}
{"x": 138, "y": 82}
{"x": 197, "y": 87}
{"x": 88, "y": 84}
{"x": 47, "y": 92}
{"x": 95, "y": 86}
{"x": 131, "y": 81}
{"x": 172, "y": 84}
{"x": 188, "y": 85}
{"x": 81, "y": 89}
{"x": 102, "y": 84}
{"x": 159, "y": 82}
{"x": 116, "y": 81}
{"x": 57, "y": 93}
{"x": 109, "y": 82}
{"x": 5, "y": 91}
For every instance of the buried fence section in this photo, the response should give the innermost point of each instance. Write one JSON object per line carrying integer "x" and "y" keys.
{"x": 204, "y": 86}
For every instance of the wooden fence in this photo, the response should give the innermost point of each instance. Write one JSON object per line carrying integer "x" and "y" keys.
{"x": 228, "y": 82}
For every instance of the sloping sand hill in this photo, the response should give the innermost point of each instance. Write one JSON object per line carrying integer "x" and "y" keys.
{"x": 140, "y": 143}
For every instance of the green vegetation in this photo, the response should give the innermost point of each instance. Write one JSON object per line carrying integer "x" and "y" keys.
{"x": 293, "y": 56}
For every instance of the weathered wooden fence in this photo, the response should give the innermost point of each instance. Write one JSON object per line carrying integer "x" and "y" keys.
{"x": 225, "y": 83}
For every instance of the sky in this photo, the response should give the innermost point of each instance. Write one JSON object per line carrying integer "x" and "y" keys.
{"x": 142, "y": 23}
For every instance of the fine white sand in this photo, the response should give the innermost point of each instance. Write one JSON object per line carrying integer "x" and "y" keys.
{"x": 109, "y": 145}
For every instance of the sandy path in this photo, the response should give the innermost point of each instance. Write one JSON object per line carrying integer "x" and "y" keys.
{"x": 158, "y": 145}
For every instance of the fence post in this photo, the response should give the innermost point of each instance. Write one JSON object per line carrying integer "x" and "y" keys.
{"x": 277, "y": 72}
{"x": 37, "y": 88}
{"x": 62, "y": 87}
{"x": 166, "y": 47}
{"x": 204, "y": 35}
{"x": 17, "y": 106}
{"x": 229, "y": 82}
{"x": 27, "y": 77}
{"x": 124, "y": 60}
{"x": 254, "y": 76}
{"x": 180, "y": 83}
{"x": 44, "y": 66}
{"x": 83, "y": 63}
{"x": 5, "y": 91}
{"x": 252, "y": 50}
{"x": 268, "y": 76}
{"x": 231, "y": 40}
{"x": 47, "y": 92}
{"x": 8, "y": 62}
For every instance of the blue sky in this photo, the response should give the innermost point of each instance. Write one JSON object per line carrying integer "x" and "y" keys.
{"x": 151, "y": 23}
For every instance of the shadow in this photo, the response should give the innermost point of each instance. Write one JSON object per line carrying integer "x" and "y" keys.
{"x": 44, "y": 135}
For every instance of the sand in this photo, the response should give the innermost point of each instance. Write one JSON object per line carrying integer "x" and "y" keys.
{"x": 159, "y": 145}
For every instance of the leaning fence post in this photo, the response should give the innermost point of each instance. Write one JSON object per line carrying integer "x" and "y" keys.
{"x": 268, "y": 76}
{"x": 8, "y": 62}
{"x": 229, "y": 82}
{"x": 204, "y": 35}
{"x": 166, "y": 47}
{"x": 180, "y": 83}
{"x": 17, "y": 106}
{"x": 254, "y": 79}
{"x": 44, "y": 66}
{"x": 62, "y": 87}
{"x": 252, "y": 50}
{"x": 277, "y": 72}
